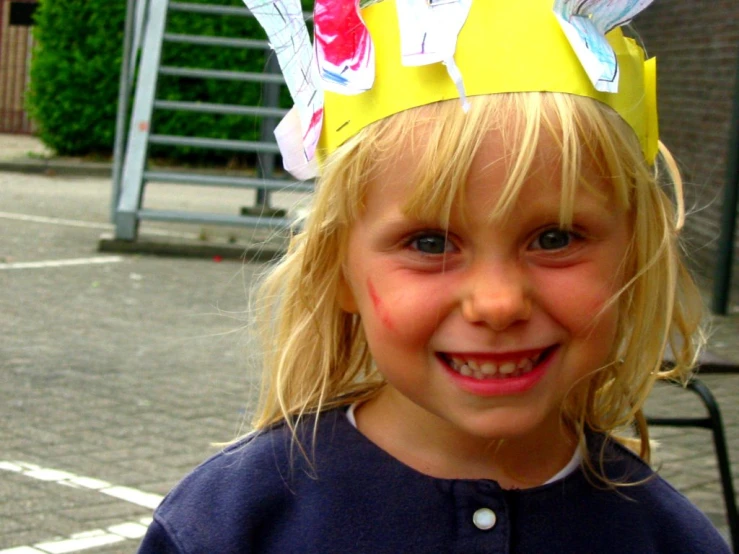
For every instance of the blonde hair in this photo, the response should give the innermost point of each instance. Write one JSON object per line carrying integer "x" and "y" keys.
{"x": 316, "y": 356}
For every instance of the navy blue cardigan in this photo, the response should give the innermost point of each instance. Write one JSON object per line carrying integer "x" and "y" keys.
{"x": 261, "y": 495}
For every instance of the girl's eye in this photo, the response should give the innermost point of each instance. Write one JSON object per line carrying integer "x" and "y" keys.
{"x": 552, "y": 239}
{"x": 431, "y": 243}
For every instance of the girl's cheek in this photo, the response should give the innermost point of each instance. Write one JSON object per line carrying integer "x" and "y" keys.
{"x": 406, "y": 307}
{"x": 580, "y": 300}
{"x": 378, "y": 305}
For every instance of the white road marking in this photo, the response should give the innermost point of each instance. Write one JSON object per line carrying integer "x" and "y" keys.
{"x": 57, "y": 221}
{"x": 134, "y": 496}
{"x": 63, "y": 263}
{"x": 80, "y": 541}
{"x": 65, "y": 478}
{"x": 131, "y": 529}
{"x": 89, "y": 225}
{"x": 88, "y": 539}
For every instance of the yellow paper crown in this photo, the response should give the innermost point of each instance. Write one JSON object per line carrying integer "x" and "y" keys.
{"x": 504, "y": 46}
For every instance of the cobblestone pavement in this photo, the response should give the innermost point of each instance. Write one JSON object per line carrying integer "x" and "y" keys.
{"x": 120, "y": 374}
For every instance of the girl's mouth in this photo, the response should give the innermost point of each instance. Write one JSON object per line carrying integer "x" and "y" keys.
{"x": 483, "y": 367}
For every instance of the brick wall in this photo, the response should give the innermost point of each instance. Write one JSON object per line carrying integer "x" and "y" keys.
{"x": 16, "y": 43}
{"x": 696, "y": 43}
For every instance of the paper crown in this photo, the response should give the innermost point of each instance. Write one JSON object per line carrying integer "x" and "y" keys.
{"x": 366, "y": 65}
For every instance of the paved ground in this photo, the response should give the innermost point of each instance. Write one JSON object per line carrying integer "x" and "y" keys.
{"x": 124, "y": 371}
{"x": 121, "y": 374}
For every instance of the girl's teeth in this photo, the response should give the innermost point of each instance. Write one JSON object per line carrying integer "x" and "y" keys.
{"x": 485, "y": 370}
{"x": 488, "y": 368}
{"x": 507, "y": 368}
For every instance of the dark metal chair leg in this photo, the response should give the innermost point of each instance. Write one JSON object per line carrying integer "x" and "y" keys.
{"x": 722, "y": 454}
{"x": 715, "y": 424}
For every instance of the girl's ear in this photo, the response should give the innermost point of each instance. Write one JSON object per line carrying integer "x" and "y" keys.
{"x": 345, "y": 295}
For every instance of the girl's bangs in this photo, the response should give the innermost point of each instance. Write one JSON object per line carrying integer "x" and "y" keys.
{"x": 444, "y": 139}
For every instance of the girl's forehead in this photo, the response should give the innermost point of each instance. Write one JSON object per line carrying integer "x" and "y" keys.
{"x": 495, "y": 173}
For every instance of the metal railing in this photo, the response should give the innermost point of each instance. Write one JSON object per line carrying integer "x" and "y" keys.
{"x": 146, "y": 30}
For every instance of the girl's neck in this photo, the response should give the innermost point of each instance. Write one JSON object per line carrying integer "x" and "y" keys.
{"x": 443, "y": 452}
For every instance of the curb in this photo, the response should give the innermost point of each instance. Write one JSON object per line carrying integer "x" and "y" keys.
{"x": 56, "y": 167}
{"x": 189, "y": 249}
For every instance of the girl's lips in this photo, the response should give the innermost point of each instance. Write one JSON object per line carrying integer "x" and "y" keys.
{"x": 492, "y": 375}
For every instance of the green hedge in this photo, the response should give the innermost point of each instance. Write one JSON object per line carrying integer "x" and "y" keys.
{"x": 75, "y": 73}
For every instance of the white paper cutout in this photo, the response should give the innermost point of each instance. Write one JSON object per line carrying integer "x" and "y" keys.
{"x": 288, "y": 36}
{"x": 290, "y": 141}
{"x": 606, "y": 14}
{"x": 344, "y": 51}
{"x": 428, "y": 34}
{"x": 595, "y": 53}
{"x": 456, "y": 75}
{"x": 585, "y": 23}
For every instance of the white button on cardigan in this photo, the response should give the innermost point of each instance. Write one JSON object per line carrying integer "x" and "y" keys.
{"x": 484, "y": 519}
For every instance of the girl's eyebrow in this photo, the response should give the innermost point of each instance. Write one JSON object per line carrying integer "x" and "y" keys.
{"x": 590, "y": 203}
{"x": 402, "y": 220}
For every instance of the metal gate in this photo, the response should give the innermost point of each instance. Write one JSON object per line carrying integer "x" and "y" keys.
{"x": 16, "y": 45}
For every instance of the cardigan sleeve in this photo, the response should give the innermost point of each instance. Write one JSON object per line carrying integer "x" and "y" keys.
{"x": 229, "y": 504}
{"x": 158, "y": 541}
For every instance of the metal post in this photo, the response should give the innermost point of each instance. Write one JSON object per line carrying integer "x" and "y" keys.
{"x": 124, "y": 92}
{"x": 132, "y": 182}
{"x": 725, "y": 256}
{"x": 266, "y": 160}
{"x": 142, "y": 8}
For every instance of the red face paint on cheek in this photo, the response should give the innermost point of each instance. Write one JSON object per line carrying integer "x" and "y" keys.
{"x": 380, "y": 309}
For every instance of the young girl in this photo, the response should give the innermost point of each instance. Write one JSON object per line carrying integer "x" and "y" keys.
{"x": 478, "y": 302}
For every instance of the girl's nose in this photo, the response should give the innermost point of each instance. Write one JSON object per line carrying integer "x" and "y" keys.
{"x": 497, "y": 298}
